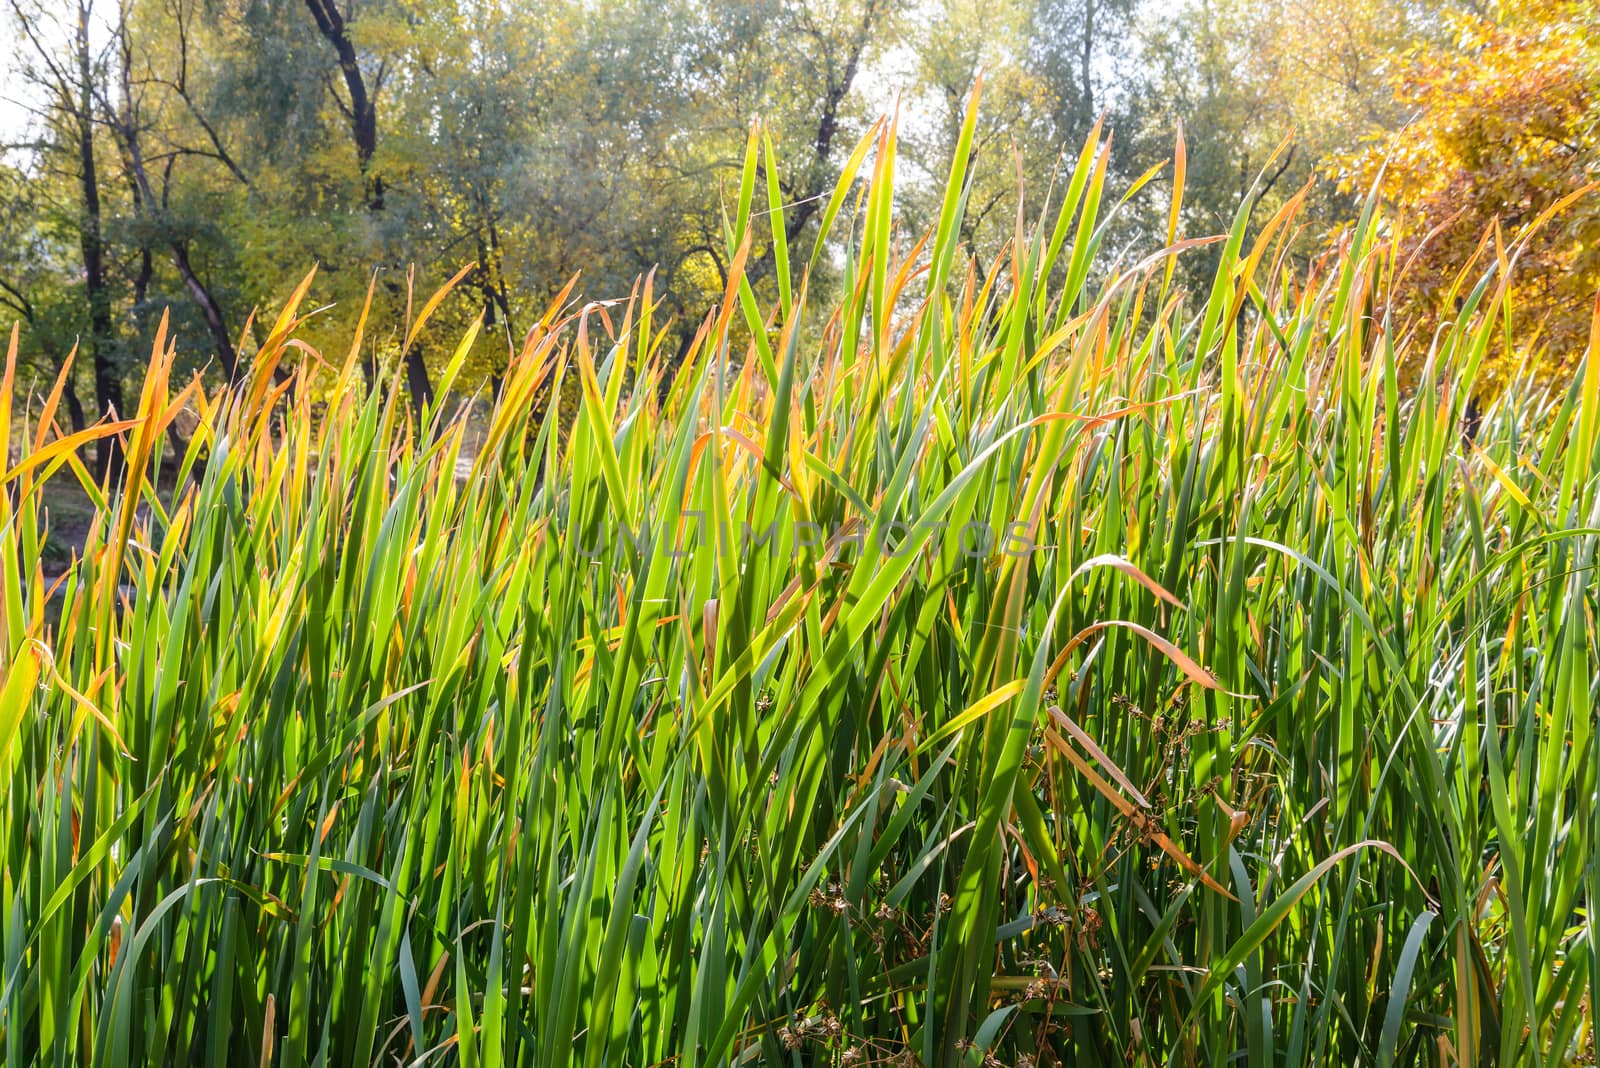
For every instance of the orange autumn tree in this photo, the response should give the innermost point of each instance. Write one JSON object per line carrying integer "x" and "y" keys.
{"x": 1504, "y": 123}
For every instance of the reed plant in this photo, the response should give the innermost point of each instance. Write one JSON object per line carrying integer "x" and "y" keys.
{"x": 1046, "y": 666}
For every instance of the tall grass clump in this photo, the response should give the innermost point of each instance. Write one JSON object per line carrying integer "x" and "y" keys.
{"x": 1046, "y": 667}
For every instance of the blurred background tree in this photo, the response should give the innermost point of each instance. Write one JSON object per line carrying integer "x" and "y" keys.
{"x": 201, "y": 155}
{"x": 1504, "y": 123}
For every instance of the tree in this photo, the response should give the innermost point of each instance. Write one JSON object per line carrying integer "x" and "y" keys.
{"x": 1504, "y": 122}
{"x": 124, "y": 113}
{"x": 1051, "y": 70}
{"x": 38, "y": 238}
{"x": 363, "y": 83}
{"x": 219, "y": 148}
{"x": 68, "y": 77}
{"x": 1245, "y": 77}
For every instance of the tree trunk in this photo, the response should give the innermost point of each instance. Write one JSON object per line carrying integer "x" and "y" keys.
{"x": 417, "y": 380}
{"x": 820, "y": 179}
{"x": 69, "y": 393}
{"x": 1086, "y": 65}
{"x": 107, "y": 381}
{"x": 363, "y": 113}
{"x": 210, "y": 309}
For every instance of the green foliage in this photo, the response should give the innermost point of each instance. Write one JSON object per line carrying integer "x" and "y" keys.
{"x": 236, "y": 141}
{"x": 1277, "y": 748}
